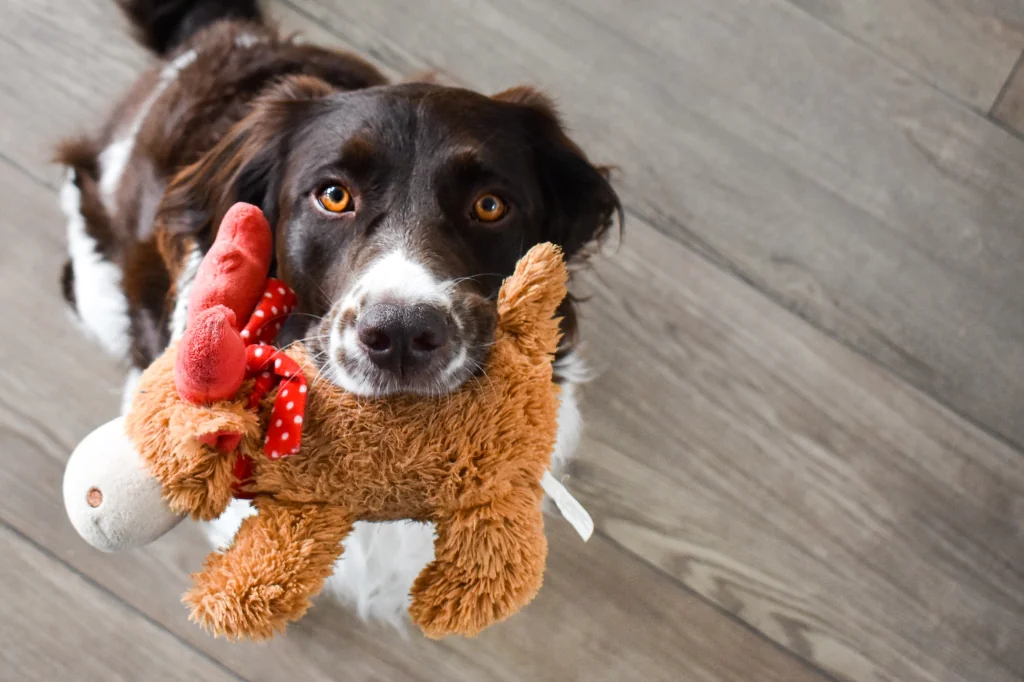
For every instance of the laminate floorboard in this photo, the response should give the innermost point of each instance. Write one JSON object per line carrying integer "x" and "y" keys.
{"x": 853, "y": 193}
{"x": 603, "y": 614}
{"x": 802, "y": 444}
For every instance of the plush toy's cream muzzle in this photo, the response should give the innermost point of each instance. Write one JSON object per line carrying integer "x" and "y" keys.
{"x": 112, "y": 500}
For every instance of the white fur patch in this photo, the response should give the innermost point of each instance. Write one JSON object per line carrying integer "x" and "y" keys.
{"x": 336, "y": 372}
{"x": 100, "y": 301}
{"x": 247, "y": 40}
{"x": 113, "y": 162}
{"x": 570, "y": 428}
{"x": 572, "y": 368}
{"x": 381, "y": 560}
{"x": 131, "y": 382}
{"x": 380, "y": 563}
{"x": 398, "y": 279}
{"x": 114, "y": 158}
{"x": 183, "y": 287}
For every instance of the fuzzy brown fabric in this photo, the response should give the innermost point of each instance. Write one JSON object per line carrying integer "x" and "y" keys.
{"x": 471, "y": 462}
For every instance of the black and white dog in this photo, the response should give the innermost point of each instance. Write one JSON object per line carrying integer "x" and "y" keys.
{"x": 414, "y": 198}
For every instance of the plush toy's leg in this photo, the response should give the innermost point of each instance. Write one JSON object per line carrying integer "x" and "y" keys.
{"x": 489, "y": 563}
{"x": 278, "y": 561}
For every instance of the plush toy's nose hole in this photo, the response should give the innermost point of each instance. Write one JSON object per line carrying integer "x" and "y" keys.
{"x": 223, "y": 441}
{"x": 94, "y": 497}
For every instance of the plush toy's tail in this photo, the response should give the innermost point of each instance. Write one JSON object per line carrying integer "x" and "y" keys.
{"x": 530, "y": 297}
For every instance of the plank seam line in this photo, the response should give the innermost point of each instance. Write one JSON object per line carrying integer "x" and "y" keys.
{"x": 704, "y": 251}
{"x": 729, "y": 615}
{"x": 113, "y": 595}
{"x": 870, "y": 49}
{"x": 1006, "y": 127}
{"x": 35, "y": 179}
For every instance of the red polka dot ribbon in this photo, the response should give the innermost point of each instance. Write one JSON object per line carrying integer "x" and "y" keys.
{"x": 271, "y": 312}
{"x": 270, "y": 367}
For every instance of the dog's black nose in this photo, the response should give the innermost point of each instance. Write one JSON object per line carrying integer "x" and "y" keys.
{"x": 402, "y": 338}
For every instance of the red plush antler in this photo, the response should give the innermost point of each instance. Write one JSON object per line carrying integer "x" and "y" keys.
{"x": 233, "y": 310}
{"x": 211, "y": 360}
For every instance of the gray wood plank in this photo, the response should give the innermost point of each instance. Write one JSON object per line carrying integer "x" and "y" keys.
{"x": 72, "y": 67}
{"x": 771, "y": 470}
{"x": 602, "y": 615}
{"x": 858, "y": 196}
{"x": 59, "y": 627}
{"x": 793, "y": 482}
{"x": 963, "y": 47}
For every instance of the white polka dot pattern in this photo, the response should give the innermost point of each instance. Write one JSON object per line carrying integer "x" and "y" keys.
{"x": 269, "y": 367}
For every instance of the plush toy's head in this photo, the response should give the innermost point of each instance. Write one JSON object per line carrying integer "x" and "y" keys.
{"x": 470, "y": 462}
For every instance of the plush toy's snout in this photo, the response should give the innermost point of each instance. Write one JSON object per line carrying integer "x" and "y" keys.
{"x": 112, "y": 500}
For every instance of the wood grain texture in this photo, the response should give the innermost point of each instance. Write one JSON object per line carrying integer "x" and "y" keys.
{"x": 602, "y": 615}
{"x": 76, "y": 62}
{"x": 858, "y": 196}
{"x": 795, "y": 484}
{"x": 962, "y": 47}
{"x": 789, "y": 481}
{"x": 73, "y": 67}
{"x": 59, "y": 627}
{"x": 1009, "y": 110}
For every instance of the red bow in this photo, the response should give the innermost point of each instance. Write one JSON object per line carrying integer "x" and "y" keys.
{"x": 270, "y": 367}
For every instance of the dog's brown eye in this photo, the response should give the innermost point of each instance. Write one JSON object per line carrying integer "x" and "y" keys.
{"x": 488, "y": 208}
{"x": 335, "y": 199}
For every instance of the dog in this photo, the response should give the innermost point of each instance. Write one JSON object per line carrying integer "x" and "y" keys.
{"x": 397, "y": 208}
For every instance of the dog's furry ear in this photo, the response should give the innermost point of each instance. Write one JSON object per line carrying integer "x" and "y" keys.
{"x": 245, "y": 165}
{"x": 580, "y": 202}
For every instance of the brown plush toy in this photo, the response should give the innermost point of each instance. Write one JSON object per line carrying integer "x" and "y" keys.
{"x": 470, "y": 462}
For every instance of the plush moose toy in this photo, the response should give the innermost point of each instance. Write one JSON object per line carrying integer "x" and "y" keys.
{"x": 223, "y": 414}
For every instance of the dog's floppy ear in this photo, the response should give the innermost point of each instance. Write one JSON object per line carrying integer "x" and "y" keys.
{"x": 245, "y": 165}
{"x": 579, "y": 201}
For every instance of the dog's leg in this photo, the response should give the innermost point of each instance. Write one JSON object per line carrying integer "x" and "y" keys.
{"x": 91, "y": 281}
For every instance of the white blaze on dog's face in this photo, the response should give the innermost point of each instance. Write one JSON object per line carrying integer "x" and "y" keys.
{"x": 396, "y": 328}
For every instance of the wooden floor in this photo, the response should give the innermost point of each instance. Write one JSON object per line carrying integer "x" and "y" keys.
{"x": 805, "y": 446}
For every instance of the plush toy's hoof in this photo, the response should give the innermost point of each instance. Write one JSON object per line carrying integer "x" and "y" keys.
{"x": 111, "y": 499}
{"x": 249, "y": 614}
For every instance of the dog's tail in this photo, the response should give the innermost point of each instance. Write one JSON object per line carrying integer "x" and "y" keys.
{"x": 162, "y": 25}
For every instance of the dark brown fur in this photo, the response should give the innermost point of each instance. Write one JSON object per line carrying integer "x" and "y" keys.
{"x": 252, "y": 122}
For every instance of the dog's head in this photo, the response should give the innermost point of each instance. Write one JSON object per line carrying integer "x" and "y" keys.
{"x": 398, "y": 210}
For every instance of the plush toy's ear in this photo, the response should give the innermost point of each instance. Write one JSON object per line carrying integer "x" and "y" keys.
{"x": 210, "y": 362}
{"x": 529, "y": 299}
